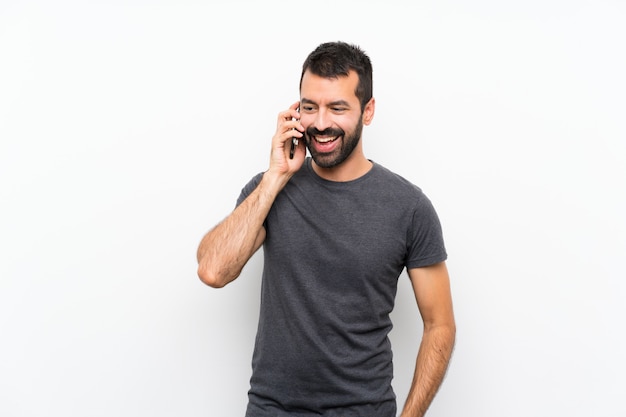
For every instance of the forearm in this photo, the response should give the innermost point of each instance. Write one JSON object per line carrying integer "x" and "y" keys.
{"x": 224, "y": 251}
{"x": 432, "y": 362}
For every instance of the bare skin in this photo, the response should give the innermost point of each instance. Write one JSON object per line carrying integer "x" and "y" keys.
{"x": 224, "y": 250}
{"x": 431, "y": 286}
{"x": 331, "y": 103}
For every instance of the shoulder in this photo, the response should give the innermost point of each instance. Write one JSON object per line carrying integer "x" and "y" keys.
{"x": 394, "y": 183}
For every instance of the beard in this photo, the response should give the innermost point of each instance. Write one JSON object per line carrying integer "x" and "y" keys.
{"x": 341, "y": 152}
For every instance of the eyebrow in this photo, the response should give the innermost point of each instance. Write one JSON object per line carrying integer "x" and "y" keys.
{"x": 332, "y": 103}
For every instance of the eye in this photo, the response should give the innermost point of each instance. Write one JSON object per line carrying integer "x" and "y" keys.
{"x": 338, "y": 109}
{"x": 307, "y": 108}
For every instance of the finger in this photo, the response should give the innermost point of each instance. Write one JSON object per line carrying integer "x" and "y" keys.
{"x": 290, "y": 113}
{"x": 289, "y": 126}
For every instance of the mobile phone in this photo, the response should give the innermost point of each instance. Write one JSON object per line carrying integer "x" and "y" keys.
{"x": 294, "y": 142}
{"x": 292, "y": 151}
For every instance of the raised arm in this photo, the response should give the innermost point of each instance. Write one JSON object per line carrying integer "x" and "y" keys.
{"x": 432, "y": 291}
{"x": 225, "y": 249}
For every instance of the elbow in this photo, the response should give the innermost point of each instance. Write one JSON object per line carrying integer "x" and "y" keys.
{"x": 451, "y": 336}
{"x": 444, "y": 332}
{"x": 451, "y": 330}
{"x": 212, "y": 278}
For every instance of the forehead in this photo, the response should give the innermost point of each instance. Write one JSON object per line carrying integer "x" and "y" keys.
{"x": 320, "y": 89}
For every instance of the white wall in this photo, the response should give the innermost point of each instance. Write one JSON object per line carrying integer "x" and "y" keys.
{"x": 127, "y": 129}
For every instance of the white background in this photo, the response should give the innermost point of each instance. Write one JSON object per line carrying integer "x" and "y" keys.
{"x": 127, "y": 129}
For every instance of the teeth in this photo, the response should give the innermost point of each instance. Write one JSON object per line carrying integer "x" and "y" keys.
{"x": 325, "y": 140}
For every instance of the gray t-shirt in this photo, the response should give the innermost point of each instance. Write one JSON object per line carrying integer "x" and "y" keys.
{"x": 332, "y": 257}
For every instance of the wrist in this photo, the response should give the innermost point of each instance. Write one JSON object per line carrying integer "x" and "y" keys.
{"x": 273, "y": 182}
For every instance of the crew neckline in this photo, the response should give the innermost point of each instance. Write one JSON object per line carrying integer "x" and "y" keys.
{"x": 317, "y": 177}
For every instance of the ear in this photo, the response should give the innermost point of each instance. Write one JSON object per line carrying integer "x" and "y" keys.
{"x": 368, "y": 111}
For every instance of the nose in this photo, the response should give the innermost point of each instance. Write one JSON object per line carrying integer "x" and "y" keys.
{"x": 322, "y": 120}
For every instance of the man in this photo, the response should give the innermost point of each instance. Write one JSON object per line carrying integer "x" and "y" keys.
{"x": 337, "y": 231}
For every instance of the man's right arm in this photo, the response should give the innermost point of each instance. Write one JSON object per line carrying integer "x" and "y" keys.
{"x": 224, "y": 251}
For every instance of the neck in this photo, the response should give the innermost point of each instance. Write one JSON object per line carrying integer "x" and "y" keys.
{"x": 355, "y": 166}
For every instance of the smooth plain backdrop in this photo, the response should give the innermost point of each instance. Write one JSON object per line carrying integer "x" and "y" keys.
{"x": 128, "y": 128}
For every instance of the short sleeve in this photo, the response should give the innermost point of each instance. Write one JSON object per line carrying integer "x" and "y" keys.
{"x": 249, "y": 187}
{"x": 425, "y": 236}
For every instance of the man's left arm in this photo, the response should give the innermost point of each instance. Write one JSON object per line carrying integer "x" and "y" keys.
{"x": 431, "y": 285}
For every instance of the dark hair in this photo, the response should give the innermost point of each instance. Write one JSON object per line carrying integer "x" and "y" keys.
{"x": 335, "y": 59}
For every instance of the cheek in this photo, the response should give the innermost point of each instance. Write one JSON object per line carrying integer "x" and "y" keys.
{"x": 348, "y": 125}
{"x": 306, "y": 121}
{"x": 345, "y": 123}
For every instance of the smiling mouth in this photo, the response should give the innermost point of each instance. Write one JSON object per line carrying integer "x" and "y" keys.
{"x": 325, "y": 139}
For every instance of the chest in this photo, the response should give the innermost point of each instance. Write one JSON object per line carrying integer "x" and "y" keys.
{"x": 355, "y": 234}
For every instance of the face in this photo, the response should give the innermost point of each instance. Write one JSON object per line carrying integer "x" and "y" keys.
{"x": 331, "y": 115}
